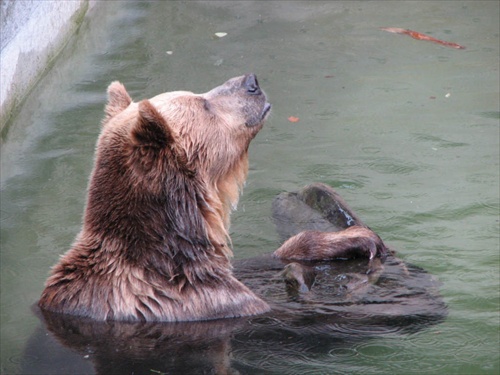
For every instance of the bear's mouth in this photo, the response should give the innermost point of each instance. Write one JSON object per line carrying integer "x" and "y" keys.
{"x": 252, "y": 87}
{"x": 258, "y": 118}
{"x": 265, "y": 112}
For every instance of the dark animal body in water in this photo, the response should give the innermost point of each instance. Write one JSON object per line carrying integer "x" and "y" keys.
{"x": 335, "y": 303}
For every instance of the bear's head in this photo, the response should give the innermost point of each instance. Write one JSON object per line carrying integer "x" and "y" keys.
{"x": 169, "y": 169}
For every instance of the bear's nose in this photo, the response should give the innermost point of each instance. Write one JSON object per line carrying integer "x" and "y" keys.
{"x": 251, "y": 84}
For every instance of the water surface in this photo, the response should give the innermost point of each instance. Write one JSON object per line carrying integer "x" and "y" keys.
{"x": 407, "y": 131}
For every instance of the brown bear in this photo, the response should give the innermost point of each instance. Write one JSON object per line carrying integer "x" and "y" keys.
{"x": 154, "y": 244}
{"x": 154, "y": 241}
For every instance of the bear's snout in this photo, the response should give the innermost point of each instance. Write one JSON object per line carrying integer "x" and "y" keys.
{"x": 252, "y": 85}
{"x": 261, "y": 107}
{"x": 242, "y": 96}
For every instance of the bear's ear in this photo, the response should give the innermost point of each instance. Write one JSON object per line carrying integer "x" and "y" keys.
{"x": 118, "y": 100}
{"x": 150, "y": 128}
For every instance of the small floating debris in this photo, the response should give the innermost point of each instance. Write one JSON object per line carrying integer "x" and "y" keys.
{"x": 220, "y": 35}
{"x": 447, "y": 95}
{"x": 420, "y": 36}
{"x": 169, "y": 52}
{"x": 293, "y": 119}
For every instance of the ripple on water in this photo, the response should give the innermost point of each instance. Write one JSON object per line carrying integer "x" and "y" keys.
{"x": 291, "y": 354}
{"x": 325, "y": 172}
{"x": 296, "y": 363}
{"x": 394, "y": 166}
{"x": 382, "y": 195}
{"x": 395, "y": 87}
{"x": 343, "y": 353}
{"x": 371, "y": 150}
{"x": 489, "y": 179}
{"x": 459, "y": 347}
{"x": 412, "y": 364}
{"x": 24, "y": 359}
{"x": 351, "y": 329}
{"x": 447, "y": 212}
{"x": 437, "y": 141}
{"x": 381, "y": 350}
{"x": 326, "y": 115}
{"x": 490, "y": 114}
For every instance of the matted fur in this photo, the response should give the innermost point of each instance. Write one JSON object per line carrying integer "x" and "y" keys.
{"x": 348, "y": 243}
{"x": 154, "y": 242}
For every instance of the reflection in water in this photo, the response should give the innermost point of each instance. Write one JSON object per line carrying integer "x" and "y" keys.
{"x": 138, "y": 348}
{"x": 344, "y": 303}
{"x": 329, "y": 321}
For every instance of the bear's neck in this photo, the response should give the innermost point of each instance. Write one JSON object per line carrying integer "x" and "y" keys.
{"x": 228, "y": 189}
{"x": 177, "y": 233}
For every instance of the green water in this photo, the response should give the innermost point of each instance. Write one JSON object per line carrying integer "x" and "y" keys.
{"x": 407, "y": 131}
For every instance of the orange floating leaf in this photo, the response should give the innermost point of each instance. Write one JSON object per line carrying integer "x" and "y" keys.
{"x": 293, "y": 119}
{"x": 420, "y": 36}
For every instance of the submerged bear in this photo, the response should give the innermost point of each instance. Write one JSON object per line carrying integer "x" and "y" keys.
{"x": 154, "y": 248}
{"x": 154, "y": 244}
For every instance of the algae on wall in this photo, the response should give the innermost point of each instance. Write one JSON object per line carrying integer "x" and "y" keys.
{"x": 32, "y": 34}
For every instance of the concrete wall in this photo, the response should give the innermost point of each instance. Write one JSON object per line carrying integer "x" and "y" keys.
{"x": 32, "y": 33}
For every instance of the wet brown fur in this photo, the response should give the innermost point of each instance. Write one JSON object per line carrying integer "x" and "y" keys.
{"x": 355, "y": 241}
{"x": 154, "y": 242}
